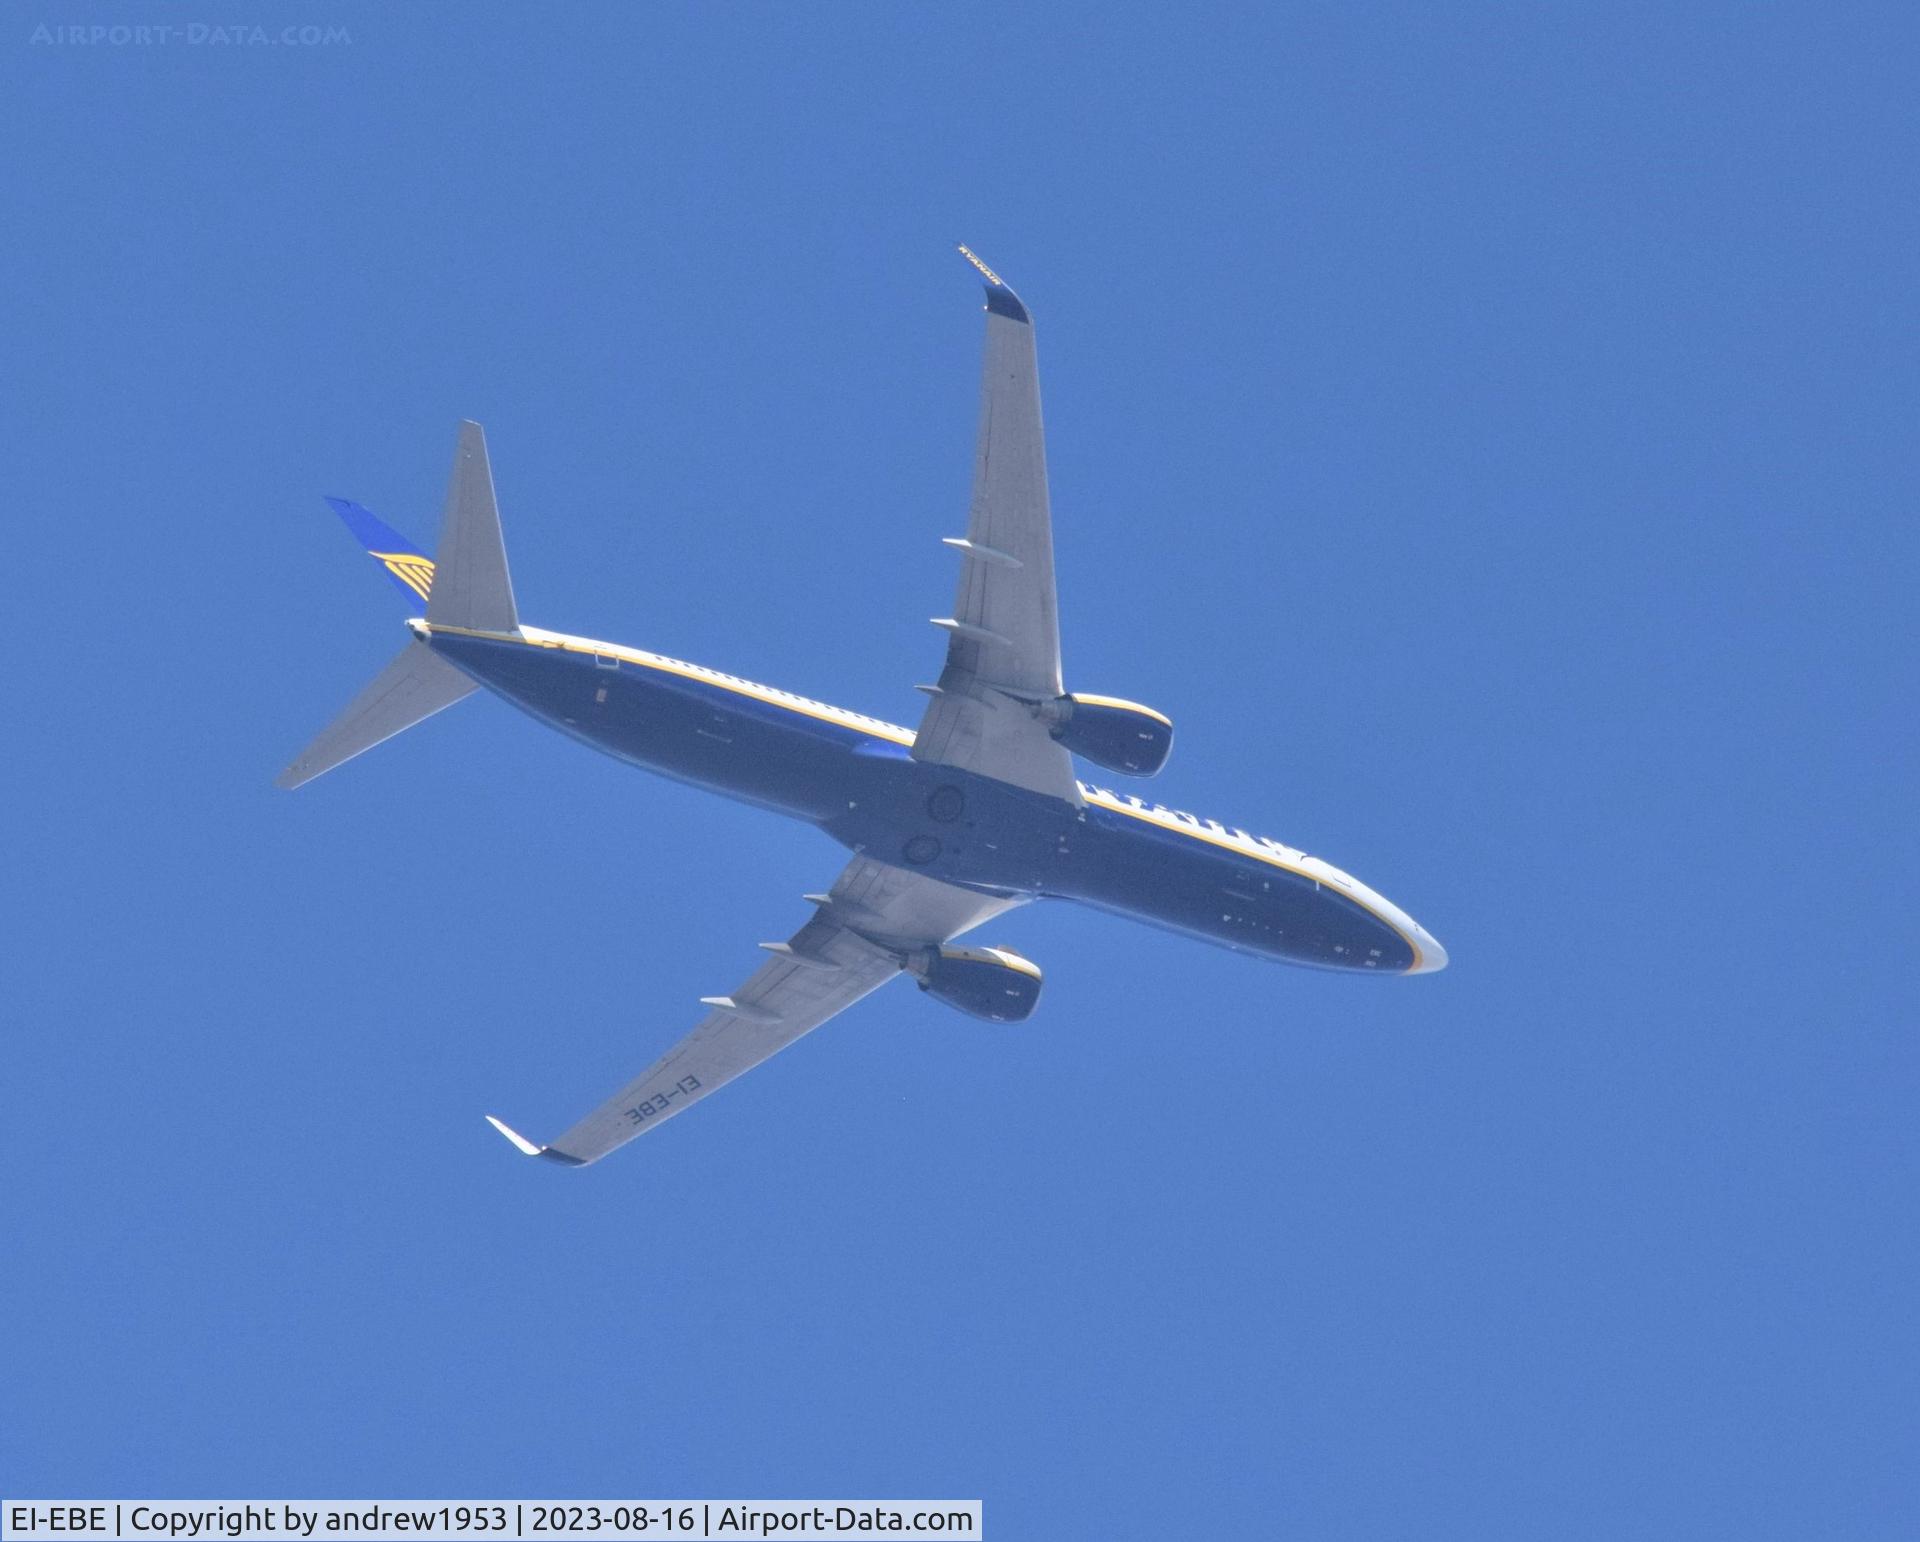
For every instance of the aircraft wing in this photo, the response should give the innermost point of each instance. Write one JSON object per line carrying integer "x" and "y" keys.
{"x": 1003, "y": 638}
{"x": 873, "y": 916}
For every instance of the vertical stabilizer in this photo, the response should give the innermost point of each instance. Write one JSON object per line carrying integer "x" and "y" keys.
{"x": 471, "y": 588}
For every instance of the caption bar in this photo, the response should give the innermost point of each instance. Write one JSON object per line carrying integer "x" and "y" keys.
{"x": 492, "y": 1520}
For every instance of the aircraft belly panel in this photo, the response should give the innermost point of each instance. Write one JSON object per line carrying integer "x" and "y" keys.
{"x": 957, "y": 827}
{"x": 684, "y": 729}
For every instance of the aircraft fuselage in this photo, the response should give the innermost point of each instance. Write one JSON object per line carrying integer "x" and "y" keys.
{"x": 855, "y": 778}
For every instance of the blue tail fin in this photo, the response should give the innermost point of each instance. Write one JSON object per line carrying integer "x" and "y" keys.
{"x": 410, "y": 568}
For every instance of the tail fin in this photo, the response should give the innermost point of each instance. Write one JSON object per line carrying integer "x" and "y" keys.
{"x": 410, "y": 568}
{"x": 466, "y": 587}
{"x": 417, "y": 684}
{"x": 471, "y": 588}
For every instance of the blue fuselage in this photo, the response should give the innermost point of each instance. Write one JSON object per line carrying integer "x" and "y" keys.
{"x": 855, "y": 778}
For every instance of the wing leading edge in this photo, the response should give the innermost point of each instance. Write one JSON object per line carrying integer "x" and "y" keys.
{"x": 856, "y": 943}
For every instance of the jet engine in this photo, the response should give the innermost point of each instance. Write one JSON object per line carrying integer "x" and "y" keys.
{"x": 1120, "y": 735}
{"x": 993, "y": 983}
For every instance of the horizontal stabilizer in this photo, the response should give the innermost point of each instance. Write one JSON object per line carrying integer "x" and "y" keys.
{"x": 417, "y": 684}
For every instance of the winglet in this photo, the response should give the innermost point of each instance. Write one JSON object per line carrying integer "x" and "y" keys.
{"x": 527, "y": 1147}
{"x": 1001, "y": 299}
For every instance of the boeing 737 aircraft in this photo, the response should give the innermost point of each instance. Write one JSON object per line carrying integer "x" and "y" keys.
{"x": 951, "y": 824}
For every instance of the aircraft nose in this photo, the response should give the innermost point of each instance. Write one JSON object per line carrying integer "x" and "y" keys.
{"x": 1433, "y": 957}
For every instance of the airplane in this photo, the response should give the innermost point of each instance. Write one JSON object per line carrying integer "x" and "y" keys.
{"x": 950, "y": 825}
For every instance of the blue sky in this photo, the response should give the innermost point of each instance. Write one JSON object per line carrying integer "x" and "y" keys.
{"x": 1487, "y": 432}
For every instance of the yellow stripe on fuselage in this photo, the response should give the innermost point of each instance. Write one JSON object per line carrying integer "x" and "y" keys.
{"x": 534, "y": 637}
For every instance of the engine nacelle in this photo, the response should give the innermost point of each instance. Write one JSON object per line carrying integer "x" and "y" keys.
{"x": 1120, "y": 735}
{"x": 993, "y": 983}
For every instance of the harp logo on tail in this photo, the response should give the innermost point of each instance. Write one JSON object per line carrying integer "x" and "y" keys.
{"x": 413, "y": 570}
{"x": 410, "y": 568}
